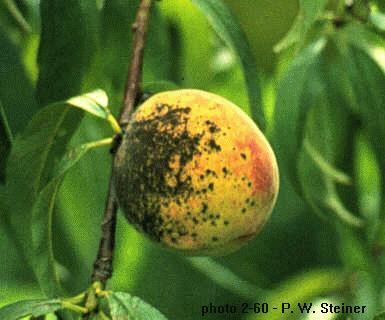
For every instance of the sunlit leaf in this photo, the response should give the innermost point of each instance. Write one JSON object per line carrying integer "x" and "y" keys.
{"x": 26, "y": 308}
{"x": 123, "y": 306}
{"x": 227, "y": 27}
{"x": 95, "y": 102}
{"x": 378, "y": 20}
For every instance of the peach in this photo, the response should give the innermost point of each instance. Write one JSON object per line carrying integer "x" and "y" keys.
{"x": 195, "y": 173}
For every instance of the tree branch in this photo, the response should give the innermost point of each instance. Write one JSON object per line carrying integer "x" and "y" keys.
{"x": 134, "y": 76}
{"x": 102, "y": 269}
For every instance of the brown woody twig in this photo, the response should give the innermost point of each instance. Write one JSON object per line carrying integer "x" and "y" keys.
{"x": 102, "y": 268}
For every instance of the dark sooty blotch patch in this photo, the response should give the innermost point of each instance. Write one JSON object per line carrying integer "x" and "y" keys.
{"x": 152, "y": 144}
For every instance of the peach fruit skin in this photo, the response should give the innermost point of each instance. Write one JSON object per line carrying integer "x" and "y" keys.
{"x": 195, "y": 173}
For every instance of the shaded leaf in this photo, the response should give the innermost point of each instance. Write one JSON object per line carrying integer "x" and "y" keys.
{"x": 64, "y": 51}
{"x": 327, "y": 168}
{"x": 226, "y": 278}
{"x": 26, "y": 308}
{"x": 363, "y": 87}
{"x": 364, "y": 39}
{"x": 16, "y": 89}
{"x": 109, "y": 68}
{"x": 380, "y": 316}
{"x": 309, "y": 12}
{"x": 158, "y": 86}
{"x": 313, "y": 283}
{"x": 291, "y": 107}
{"x": 328, "y": 132}
{"x": 42, "y": 216}
{"x": 6, "y": 138}
{"x": 123, "y": 306}
{"x": 31, "y": 164}
{"x": 227, "y": 27}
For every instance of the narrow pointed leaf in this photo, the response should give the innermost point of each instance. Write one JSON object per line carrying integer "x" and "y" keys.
{"x": 31, "y": 165}
{"x": 43, "y": 261}
{"x": 95, "y": 102}
{"x": 26, "y": 308}
{"x": 5, "y": 142}
{"x": 291, "y": 107}
{"x": 309, "y": 12}
{"x": 227, "y": 27}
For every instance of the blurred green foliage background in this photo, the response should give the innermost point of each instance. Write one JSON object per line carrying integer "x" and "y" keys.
{"x": 321, "y": 67}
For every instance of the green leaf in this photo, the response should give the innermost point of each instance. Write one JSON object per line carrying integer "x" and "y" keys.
{"x": 65, "y": 51}
{"x": 6, "y": 138}
{"x": 109, "y": 68}
{"x": 16, "y": 89}
{"x": 293, "y": 101}
{"x": 362, "y": 86}
{"x": 364, "y": 39}
{"x": 225, "y": 278}
{"x": 158, "y": 86}
{"x": 329, "y": 128}
{"x": 31, "y": 165}
{"x": 26, "y": 308}
{"x": 313, "y": 284}
{"x": 378, "y": 20}
{"x": 123, "y": 306}
{"x": 95, "y": 102}
{"x": 309, "y": 12}
{"x": 227, "y": 27}
{"x": 380, "y": 316}
{"x": 43, "y": 261}
{"x": 327, "y": 168}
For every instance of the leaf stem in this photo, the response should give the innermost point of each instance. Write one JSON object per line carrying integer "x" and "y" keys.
{"x": 334, "y": 204}
{"x": 17, "y": 15}
{"x": 99, "y": 143}
{"x": 114, "y": 123}
{"x": 102, "y": 269}
{"x": 74, "y": 307}
{"x": 7, "y": 128}
{"x": 226, "y": 278}
{"x": 328, "y": 169}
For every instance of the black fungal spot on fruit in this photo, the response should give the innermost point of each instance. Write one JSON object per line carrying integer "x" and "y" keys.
{"x": 157, "y": 148}
{"x": 214, "y": 146}
{"x": 243, "y": 156}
